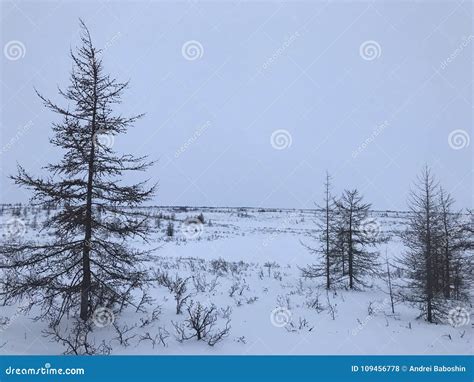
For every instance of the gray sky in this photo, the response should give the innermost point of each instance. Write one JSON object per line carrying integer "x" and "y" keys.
{"x": 369, "y": 91}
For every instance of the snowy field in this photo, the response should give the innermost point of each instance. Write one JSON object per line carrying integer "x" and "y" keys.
{"x": 246, "y": 263}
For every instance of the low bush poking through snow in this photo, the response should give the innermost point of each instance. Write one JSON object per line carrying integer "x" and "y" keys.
{"x": 200, "y": 324}
{"x": 178, "y": 287}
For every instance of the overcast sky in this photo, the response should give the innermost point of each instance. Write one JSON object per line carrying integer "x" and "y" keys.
{"x": 248, "y": 103}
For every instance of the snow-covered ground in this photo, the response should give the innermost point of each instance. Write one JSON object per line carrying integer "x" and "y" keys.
{"x": 246, "y": 262}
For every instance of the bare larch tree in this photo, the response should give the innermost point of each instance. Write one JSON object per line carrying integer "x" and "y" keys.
{"x": 453, "y": 260}
{"x": 424, "y": 230}
{"x": 436, "y": 264}
{"x": 359, "y": 235}
{"x": 324, "y": 267}
{"x": 87, "y": 263}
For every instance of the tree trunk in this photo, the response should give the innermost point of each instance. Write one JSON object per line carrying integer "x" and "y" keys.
{"x": 428, "y": 257}
{"x": 390, "y": 284}
{"x": 86, "y": 268}
{"x": 351, "y": 255}
{"x": 328, "y": 279}
{"x": 86, "y": 262}
{"x": 447, "y": 270}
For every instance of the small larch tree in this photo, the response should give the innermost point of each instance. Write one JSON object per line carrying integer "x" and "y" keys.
{"x": 328, "y": 257}
{"x": 358, "y": 237}
{"x": 87, "y": 263}
{"x": 454, "y": 263}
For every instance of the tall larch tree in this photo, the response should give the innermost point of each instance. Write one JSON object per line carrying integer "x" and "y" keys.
{"x": 87, "y": 262}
